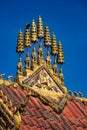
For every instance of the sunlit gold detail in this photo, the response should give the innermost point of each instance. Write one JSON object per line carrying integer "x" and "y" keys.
{"x": 13, "y": 119}
{"x": 40, "y": 54}
{"x": 20, "y": 43}
{"x": 17, "y": 116}
{"x": 61, "y": 75}
{"x": 9, "y": 78}
{"x": 8, "y": 82}
{"x": 1, "y": 93}
{"x": 40, "y": 30}
{"x": 48, "y": 97}
{"x": 54, "y": 49}
{"x": 27, "y": 64}
{"x": 17, "y": 120}
{"x": 48, "y": 59}
{"x": 27, "y": 41}
{"x": 33, "y": 32}
{"x": 19, "y": 66}
{"x": 60, "y": 54}
{"x": 55, "y": 68}
{"x": 1, "y": 78}
{"x": 27, "y": 61}
{"x": 34, "y": 59}
{"x": 47, "y": 40}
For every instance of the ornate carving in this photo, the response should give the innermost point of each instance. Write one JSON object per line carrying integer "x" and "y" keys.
{"x": 42, "y": 78}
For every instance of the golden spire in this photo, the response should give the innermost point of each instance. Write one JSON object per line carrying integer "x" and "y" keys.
{"x": 60, "y": 54}
{"x": 27, "y": 61}
{"x": 34, "y": 57}
{"x": 54, "y": 49}
{"x": 61, "y": 76}
{"x": 40, "y": 30}
{"x": 55, "y": 69}
{"x": 48, "y": 59}
{"x": 33, "y": 32}
{"x": 40, "y": 54}
{"x": 20, "y": 44}
{"x": 47, "y": 41}
{"x": 27, "y": 41}
{"x": 19, "y": 66}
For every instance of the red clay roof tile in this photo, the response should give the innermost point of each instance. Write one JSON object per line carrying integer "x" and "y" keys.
{"x": 44, "y": 123}
{"x": 37, "y": 116}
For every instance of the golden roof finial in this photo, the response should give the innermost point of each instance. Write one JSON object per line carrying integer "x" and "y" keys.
{"x": 34, "y": 54}
{"x": 10, "y": 78}
{"x": 27, "y": 42}
{"x": 33, "y": 32}
{"x": 1, "y": 76}
{"x": 61, "y": 75}
{"x": 54, "y": 49}
{"x": 40, "y": 30}
{"x": 55, "y": 68}
{"x": 47, "y": 40}
{"x": 48, "y": 59}
{"x": 27, "y": 61}
{"x": 34, "y": 57}
{"x": 19, "y": 66}
{"x": 20, "y": 43}
{"x": 80, "y": 94}
{"x": 40, "y": 50}
{"x": 60, "y": 54}
{"x": 40, "y": 54}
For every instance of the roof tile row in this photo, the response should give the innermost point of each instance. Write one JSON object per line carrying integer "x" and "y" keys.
{"x": 37, "y": 116}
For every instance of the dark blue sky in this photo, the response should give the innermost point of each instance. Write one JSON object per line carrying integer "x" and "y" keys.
{"x": 66, "y": 18}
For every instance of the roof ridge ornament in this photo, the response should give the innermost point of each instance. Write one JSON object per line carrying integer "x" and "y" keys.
{"x": 40, "y": 29}
{"x": 39, "y": 55}
{"x": 33, "y": 32}
{"x": 20, "y": 43}
{"x": 1, "y": 78}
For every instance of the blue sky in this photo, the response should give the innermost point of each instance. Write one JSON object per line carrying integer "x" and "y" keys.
{"x": 66, "y": 18}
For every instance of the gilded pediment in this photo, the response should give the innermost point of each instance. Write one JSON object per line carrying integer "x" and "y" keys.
{"x": 43, "y": 79}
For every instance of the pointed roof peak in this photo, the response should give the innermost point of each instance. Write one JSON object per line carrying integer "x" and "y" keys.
{"x": 47, "y": 26}
{"x": 59, "y": 42}
{"x": 20, "y": 31}
{"x": 39, "y": 17}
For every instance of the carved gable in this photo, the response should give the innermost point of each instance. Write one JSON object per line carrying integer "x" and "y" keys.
{"x": 42, "y": 78}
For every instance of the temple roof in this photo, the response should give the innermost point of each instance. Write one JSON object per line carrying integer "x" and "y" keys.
{"x": 39, "y": 116}
{"x": 38, "y": 99}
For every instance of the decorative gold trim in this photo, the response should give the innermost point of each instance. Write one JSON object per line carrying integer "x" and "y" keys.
{"x": 55, "y": 100}
{"x": 13, "y": 119}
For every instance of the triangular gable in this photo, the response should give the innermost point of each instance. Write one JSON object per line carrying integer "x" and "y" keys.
{"x": 42, "y": 78}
